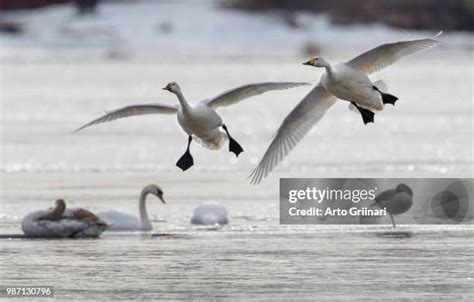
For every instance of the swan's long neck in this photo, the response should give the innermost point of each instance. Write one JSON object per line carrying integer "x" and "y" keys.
{"x": 328, "y": 66}
{"x": 146, "y": 224}
{"x": 182, "y": 100}
{"x": 55, "y": 214}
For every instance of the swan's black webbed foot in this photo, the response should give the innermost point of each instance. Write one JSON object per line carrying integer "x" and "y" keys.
{"x": 387, "y": 98}
{"x": 367, "y": 115}
{"x": 186, "y": 161}
{"x": 234, "y": 146}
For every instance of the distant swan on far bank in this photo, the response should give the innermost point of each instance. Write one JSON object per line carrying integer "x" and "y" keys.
{"x": 209, "y": 213}
{"x": 396, "y": 201}
{"x": 119, "y": 221}
{"x": 60, "y": 222}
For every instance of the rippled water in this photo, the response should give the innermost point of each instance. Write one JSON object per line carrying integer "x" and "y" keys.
{"x": 428, "y": 133}
{"x": 261, "y": 261}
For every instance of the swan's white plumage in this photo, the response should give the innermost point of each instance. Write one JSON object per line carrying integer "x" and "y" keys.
{"x": 384, "y": 55}
{"x": 198, "y": 120}
{"x": 202, "y": 122}
{"x": 294, "y": 127}
{"x": 216, "y": 142}
{"x": 238, "y": 94}
{"x": 209, "y": 213}
{"x": 138, "y": 109}
{"x": 347, "y": 81}
{"x": 120, "y": 221}
{"x": 349, "y": 84}
{"x": 380, "y": 84}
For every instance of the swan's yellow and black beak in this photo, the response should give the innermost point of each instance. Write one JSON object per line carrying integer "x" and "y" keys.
{"x": 167, "y": 87}
{"x": 311, "y": 62}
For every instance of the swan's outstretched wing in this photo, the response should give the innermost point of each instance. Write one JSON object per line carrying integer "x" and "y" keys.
{"x": 131, "y": 110}
{"x": 243, "y": 92}
{"x": 384, "y": 55}
{"x": 294, "y": 127}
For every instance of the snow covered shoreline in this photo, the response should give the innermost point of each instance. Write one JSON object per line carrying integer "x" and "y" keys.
{"x": 186, "y": 28}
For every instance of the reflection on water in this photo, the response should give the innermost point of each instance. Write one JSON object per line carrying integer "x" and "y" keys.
{"x": 395, "y": 234}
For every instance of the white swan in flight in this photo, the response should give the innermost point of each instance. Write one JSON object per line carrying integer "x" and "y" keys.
{"x": 119, "y": 221}
{"x": 395, "y": 201}
{"x": 60, "y": 222}
{"x": 198, "y": 120}
{"x": 208, "y": 213}
{"x": 347, "y": 81}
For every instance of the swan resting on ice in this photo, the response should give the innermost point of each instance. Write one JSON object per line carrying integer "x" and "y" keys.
{"x": 347, "y": 81}
{"x": 208, "y": 213}
{"x": 60, "y": 222}
{"x": 119, "y": 221}
{"x": 396, "y": 201}
{"x": 198, "y": 120}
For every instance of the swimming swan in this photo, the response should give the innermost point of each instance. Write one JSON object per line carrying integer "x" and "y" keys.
{"x": 396, "y": 201}
{"x": 60, "y": 222}
{"x": 198, "y": 120}
{"x": 119, "y": 221}
{"x": 210, "y": 214}
{"x": 347, "y": 81}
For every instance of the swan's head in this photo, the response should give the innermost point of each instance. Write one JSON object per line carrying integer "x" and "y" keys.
{"x": 60, "y": 203}
{"x": 404, "y": 188}
{"x": 316, "y": 62}
{"x": 172, "y": 87}
{"x": 155, "y": 190}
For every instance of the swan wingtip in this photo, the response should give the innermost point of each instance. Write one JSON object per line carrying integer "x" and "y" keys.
{"x": 254, "y": 179}
{"x": 435, "y": 38}
{"x": 76, "y": 130}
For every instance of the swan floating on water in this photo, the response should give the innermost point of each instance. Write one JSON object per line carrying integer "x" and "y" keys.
{"x": 119, "y": 221}
{"x": 60, "y": 222}
{"x": 346, "y": 81}
{"x": 396, "y": 201}
{"x": 198, "y": 120}
{"x": 209, "y": 213}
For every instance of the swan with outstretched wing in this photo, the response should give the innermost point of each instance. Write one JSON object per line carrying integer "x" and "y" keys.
{"x": 200, "y": 121}
{"x": 347, "y": 81}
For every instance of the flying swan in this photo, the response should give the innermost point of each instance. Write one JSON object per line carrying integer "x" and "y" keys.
{"x": 119, "y": 221}
{"x": 396, "y": 201}
{"x": 347, "y": 81}
{"x": 60, "y": 222}
{"x": 198, "y": 120}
